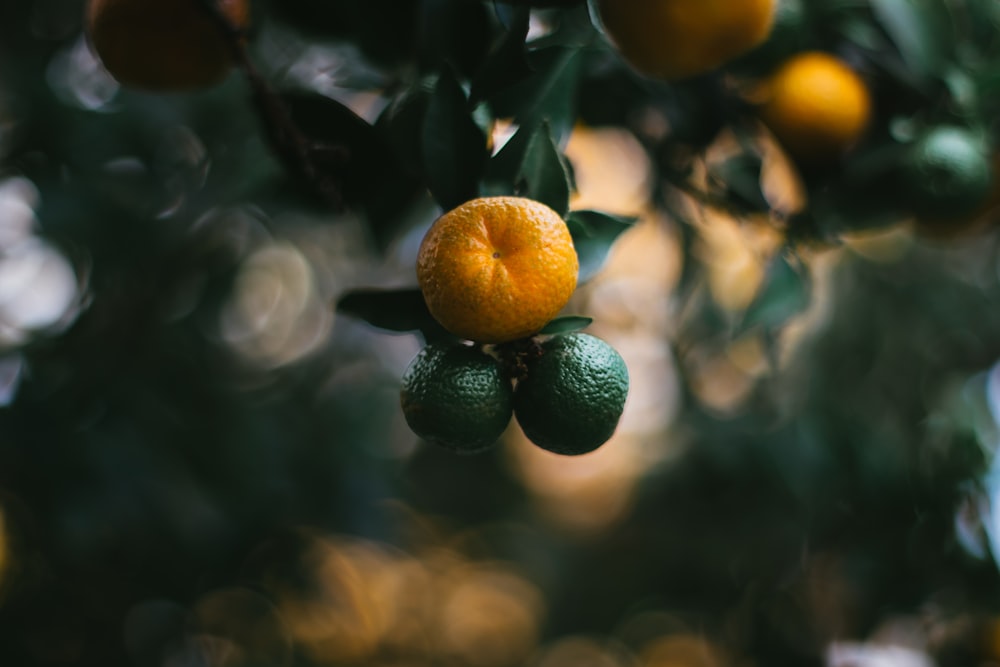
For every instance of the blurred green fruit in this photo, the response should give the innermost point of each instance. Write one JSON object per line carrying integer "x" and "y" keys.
{"x": 946, "y": 174}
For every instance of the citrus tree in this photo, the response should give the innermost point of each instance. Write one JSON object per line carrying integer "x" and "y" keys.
{"x": 524, "y": 332}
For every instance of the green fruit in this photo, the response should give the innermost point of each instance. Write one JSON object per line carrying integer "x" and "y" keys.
{"x": 573, "y": 394}
{"x": 946, "y": 174}
{"x": 456, "y": 396}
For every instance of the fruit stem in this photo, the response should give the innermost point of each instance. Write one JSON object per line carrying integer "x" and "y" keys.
{"x": 516, "y": 354}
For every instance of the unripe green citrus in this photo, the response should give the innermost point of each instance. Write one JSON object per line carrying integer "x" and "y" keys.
{"x": 573, "y": 394}
{"x": 456, "y": 396}
{"x": 947, "y": 173}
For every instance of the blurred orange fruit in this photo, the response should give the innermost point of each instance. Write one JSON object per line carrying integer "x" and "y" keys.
{"x": 677, "y": 39}
{"x": 163, "y": 45}
{"x": 496, "y": 269}
{"x": 815, "y": 105}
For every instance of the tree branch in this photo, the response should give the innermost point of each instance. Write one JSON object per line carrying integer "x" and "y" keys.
{"x": 287, "y": 141}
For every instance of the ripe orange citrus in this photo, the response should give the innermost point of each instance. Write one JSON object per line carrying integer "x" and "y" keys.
{"x": 496, "y": 269}
{"x": 816, "y": 106}
{"x": 677, "y": 39}
{"x": 162, "y": 45}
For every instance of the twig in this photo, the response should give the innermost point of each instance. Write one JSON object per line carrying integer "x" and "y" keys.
{"x": 288, "y": 142}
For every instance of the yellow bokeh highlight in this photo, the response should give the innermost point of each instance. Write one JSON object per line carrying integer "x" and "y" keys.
{"x": 612, "y": 171}
{"x": 582, "y": 495}
{"x": 367, "y": 602}
{"x": 489, "y": 615}
{"x": 578, "y": 651}
{"x": 682, "y": 650}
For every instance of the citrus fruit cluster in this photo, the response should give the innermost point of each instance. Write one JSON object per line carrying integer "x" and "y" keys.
{"x": 567, "y": 399}
{"x": 814, "y": 103}
{"x": 819, "y": 108}
{"x": 494, "y": 271}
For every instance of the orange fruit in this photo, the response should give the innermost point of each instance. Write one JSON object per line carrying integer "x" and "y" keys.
{"x": 496, "y": 269}
{"x": 677, "y": 39}
{"x": 816, "y": 106}
{"x": 163, "y": 45}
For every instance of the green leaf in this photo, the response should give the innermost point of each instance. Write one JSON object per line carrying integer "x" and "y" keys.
{"x": 401, "y": 125}
{"x": 785, "y": 292}
{"x": 862, "y": 32}
{"x": 544, "y": 175}
{"x": 922, "y": 30}
{"x": 593, "y": 233}
{"x": 456, "y": 32}
{"x": 508, "y": 63}
{"x": 983, "y": 19}
{"x": 402, "y": 310}
{"x": 454, "y": 147}
{"x": 503, "y": 168}
{"x": 568, "y": 324}
{"x": 574, "y": 28}
{"x": 349, "y": 154}
{"x": 594, "y": 11}
{"x": 548, "y": 94}
{"x": 964, "y": 93}
{"x": 739, "y": 177}
{"x": 342, "y": 145}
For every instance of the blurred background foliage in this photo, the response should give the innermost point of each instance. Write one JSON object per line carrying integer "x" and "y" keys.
{"x": 203, "y": 462}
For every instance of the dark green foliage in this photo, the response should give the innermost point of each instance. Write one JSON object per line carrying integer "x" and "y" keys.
{"x": 224, "y": 381}
{"x": 593, "y": 233}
